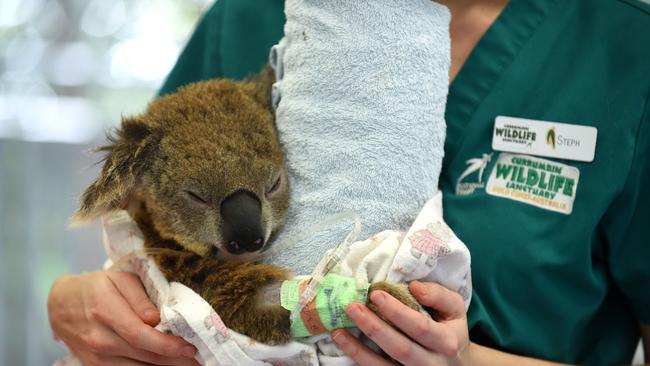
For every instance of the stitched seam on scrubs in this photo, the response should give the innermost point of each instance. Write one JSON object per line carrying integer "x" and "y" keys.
{"x": 644, "y": 116}
{"x": 466, "y": 103}
{"x": 639, "y": 311}
{"x": 215, "y": 36}
{"x": 515, "y": 55}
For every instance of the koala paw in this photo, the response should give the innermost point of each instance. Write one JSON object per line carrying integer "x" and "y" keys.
{"x": 400, "y": 291}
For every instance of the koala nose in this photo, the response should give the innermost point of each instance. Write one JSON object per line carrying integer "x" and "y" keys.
{"x": 242, "y": 222}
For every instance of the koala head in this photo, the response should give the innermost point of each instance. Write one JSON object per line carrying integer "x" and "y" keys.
{"x": 204, "y": 163}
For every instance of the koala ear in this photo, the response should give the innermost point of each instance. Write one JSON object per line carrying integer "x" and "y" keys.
{"x": 261, "y": 85}
{"x": 129, "y": 153}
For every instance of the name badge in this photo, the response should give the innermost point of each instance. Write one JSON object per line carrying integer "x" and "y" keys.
{"x": 543, "y": 138}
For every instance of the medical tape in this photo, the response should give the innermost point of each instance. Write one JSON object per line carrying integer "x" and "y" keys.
{"x": 327, "y": 311}
{"x": 310, "y": 316}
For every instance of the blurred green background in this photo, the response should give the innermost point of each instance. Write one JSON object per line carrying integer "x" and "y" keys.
{"x": 68, "y": 70}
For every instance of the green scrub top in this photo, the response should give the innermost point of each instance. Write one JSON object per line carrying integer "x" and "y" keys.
{"x": 565, "y": 287}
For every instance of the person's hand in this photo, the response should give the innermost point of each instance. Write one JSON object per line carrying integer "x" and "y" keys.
{"x": 106, "y": 318}
{"x": 419, "y": 340}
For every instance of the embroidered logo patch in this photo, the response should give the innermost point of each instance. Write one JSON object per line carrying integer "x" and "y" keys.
{"x": 466, "y": 184}
{"x": 539, "y": 182}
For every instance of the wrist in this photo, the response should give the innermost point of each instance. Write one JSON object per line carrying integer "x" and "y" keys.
{"x": 466, "y": 356}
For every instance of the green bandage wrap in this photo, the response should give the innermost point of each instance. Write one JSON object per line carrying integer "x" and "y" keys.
{"x": 333, "y": 296}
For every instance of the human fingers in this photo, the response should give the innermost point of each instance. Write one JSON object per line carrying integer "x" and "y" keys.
{"x": 131, "y": 288}
{"x": 448, "y": 304}
{"x": 357, "y": 351}
{"x": 74, "y": 306}
{"x": 92, "y": 359}
{"x": 103, "y": 341}
{"x": 117, "y": 314}
{"x": 394, "y": 343}
{"x": 437, "y": 337}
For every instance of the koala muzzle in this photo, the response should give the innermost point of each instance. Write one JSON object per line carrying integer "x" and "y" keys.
{"x": 242, "y": 222}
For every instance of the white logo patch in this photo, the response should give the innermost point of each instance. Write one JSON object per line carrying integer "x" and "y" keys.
{"x": 474, "y": 165}
{"x": 539, "y": 182}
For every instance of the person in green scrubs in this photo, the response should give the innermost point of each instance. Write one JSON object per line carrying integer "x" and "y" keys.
{"x": 560, "y": 245}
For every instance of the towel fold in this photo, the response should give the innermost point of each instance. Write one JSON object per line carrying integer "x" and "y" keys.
{"x": 360, "y": 99}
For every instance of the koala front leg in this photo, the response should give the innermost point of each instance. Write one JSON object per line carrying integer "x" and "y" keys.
{"x": 241, "y": 303}
{"x": 234, "y": 292}
{"x": 267, "y": 324}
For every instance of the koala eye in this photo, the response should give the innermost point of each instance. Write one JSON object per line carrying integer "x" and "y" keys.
{"x": 194, "y": 196}
{"x": 275, "y": 186}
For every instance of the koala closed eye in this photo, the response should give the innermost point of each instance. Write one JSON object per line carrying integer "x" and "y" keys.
{"x": 275, "y": 186}
{"x": 194, "y": 197}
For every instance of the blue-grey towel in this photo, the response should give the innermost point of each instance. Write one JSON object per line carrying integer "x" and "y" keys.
{"x": 360, "y": 103}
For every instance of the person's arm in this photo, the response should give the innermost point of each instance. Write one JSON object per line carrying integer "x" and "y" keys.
{"x": 645, "y": 337}
{"x": 422, "y": 341}
{"x": 106, "y": 318}
{"x": 480, "y": 355}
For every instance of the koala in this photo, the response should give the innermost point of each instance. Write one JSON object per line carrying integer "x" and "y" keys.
{"x": 202, "y": 173}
